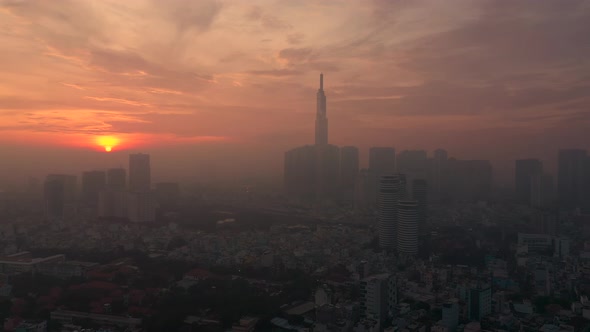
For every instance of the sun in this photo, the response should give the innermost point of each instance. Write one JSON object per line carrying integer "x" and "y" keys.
{"x": 108, "y": 142}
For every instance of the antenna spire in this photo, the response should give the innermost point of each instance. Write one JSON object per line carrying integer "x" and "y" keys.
{"x": 321, "y": 81}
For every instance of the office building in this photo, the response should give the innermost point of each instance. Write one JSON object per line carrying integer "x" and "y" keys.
{"x": 527, "y": 181}
{"x": 112, "y": 204}
{"x": 93, "y": 182}
{"x": 389, "y": 195}
{"x": 450, "y": 314}
{"x": 139, "y": 172}
{"x": 479, "y": 303}
{"x": 378, "y": 296}
{"x": 407, "y": 228}
{"x": 349, "y": 169}
{"x": 420, "y": 195}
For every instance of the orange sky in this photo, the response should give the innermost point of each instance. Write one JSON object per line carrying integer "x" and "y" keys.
{"x": 483, "y": 79}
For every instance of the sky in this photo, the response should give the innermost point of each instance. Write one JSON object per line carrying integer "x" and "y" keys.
{"x": 216, "y": 88}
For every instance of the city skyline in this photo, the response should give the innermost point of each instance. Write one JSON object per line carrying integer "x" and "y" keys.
{"x": 247, "y": 102}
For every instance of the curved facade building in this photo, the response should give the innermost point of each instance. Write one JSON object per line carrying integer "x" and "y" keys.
{"x": 389, "y": 194}
{"x": 407, "y": 220}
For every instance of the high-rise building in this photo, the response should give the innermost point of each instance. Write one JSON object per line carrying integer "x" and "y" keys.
{"x": 141, "y": 207}
{"x": 378, "y": 296}
{"x": 313, "y": 172}
{"x": 116, "y": 179}
{"x": 479, "y": 302}
{"x": 407, "y": 228}
{"x": 93, "y": 182}
{"x": 571, "y": 177}
{"x": 321, "y": 120}
{"x": 389, "y": 192}
{"x": 139, "y": 172}
{"x": 420, "y": 195}
{"x": 526, "y": 172}
{"x": 450, "y": 315}
{"x": 349, "y": 169}
{"x": 439, "y": 174}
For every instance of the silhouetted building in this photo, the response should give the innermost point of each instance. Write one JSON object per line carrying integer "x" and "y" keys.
{"x": 313, "y": 172}
{"x": 389, "y": 195}
{"x": 420, "y": 195}
{"x": 571, "y": 177}
{"x": 407, "y": 227}
{"x": 116, "y": 179}
{"x": 139, "y": 172}
{"x": 527, "y": 181}
{"x": 93, "y": 182}
{"x": 321, "y": 121}
{"x": 349, "y": 169}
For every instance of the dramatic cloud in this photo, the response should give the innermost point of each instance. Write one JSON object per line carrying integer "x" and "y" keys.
{"x": 418, "y": 73}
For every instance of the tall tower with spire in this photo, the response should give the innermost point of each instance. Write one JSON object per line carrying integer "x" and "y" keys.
{"x": 321, "y": 120}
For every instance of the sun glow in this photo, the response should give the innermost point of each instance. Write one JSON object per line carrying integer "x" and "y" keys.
{"x": 108, "y": 142}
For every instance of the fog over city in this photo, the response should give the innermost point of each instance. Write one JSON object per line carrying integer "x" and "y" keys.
{"x": 282, "y": 165}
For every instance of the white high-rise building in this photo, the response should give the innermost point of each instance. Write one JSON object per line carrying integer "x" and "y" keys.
{"x": 450, "y": 314}
{"x": 407, "y": 227}
{"x": 389, "y": 194}
{"x": 378, "y": 296}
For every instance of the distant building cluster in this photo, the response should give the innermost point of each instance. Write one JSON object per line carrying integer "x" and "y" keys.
{"x": 109, "y": 194}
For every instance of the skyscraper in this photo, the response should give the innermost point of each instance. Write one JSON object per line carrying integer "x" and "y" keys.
{"x": 116, "y": 179}
{"x": 141, "y": 207}
{"x": 378, "y": 296}
{"x": 479, "y": 302}
{"x": 389, "y": 191}
{"x": 527, "y": 173}
{"x": 570, "y": 177}
{"x": 349, "y": 169}
{"x": 139, "y": 172}
{"x": 420, "y": 195}
{"x": 412, "y": 163}
{"x": 93, "y": 182}
{"x": 321, "y": 120}
{"x": 407, "y": 227}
